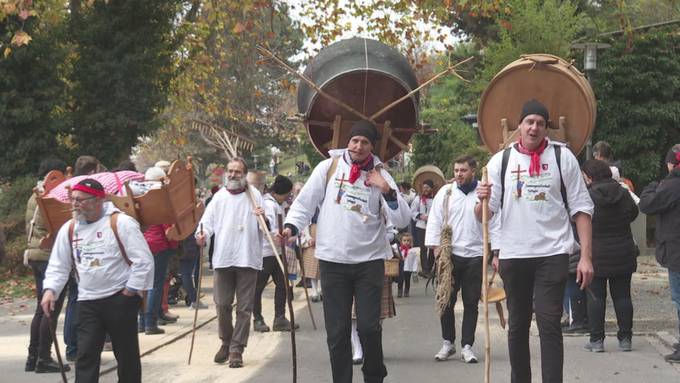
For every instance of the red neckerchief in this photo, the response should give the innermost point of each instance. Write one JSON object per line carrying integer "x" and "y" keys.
{"x": 357, "y": 167}
{"x": 404, "y": 249}
{"x": 237, "y": 191}
{"x": 535, "y": 166}
{"x": 677, "y": 158}
{"x": 424, "y": 198}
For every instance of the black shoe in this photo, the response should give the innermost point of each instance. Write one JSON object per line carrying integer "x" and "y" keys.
{"x": 49, "y": 365}
{"x": 260, "y": 326}
{"x": 222, "y": 355}
{"x": 575, "y": 329}
{"x": 170, "y": 317}
{"x": 399, "y": 294}
{"x": 30, "y": 363}
{"x": 283, "y": 324}
{"x": 673, "y": 358}
{"x": 154, "y": 331}
{"x": 406, "y": 294}
{"x": 676, "y": 346}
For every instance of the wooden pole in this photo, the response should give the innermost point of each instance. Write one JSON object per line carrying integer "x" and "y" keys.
{"x": 451, "y": 69}
{"x": 198, "y": 298}
{"x": 485, "y": 286}
{"x": 265, "y": 52}
{"x": 289, "y": 296}
{"x": 53, "y": 332}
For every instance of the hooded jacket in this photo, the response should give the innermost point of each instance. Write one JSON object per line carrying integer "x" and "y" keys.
{"x": 663, "y": 200}
{"x": 613, "y": 246}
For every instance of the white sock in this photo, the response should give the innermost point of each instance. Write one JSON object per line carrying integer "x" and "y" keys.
{"x": 316, "y": 287}
{"x": 356, "y": 343}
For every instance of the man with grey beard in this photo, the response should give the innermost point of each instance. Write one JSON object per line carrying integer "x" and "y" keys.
{"x": 237, "y": 258}
{"x": 113, "y": 264}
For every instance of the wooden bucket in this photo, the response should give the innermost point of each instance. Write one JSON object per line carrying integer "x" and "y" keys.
{"x": 428, "y": 172}
{"x": 392, "y": 267}
{"x": 367, "y": 75}
{"x": 549, "y": 79}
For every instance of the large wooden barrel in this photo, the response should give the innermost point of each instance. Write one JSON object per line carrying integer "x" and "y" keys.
{"x": 549, "y": 79}
{"x": 366, "y": 75}
{"x": 428, "y": 172}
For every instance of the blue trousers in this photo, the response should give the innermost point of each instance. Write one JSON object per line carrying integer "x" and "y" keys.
{"x": 155, "y": 296}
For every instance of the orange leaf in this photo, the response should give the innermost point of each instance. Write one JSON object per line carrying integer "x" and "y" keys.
{"x": 239, "y": 27}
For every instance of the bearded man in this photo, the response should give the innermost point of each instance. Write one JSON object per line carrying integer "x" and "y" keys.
{"x": 113, "y": 264}
{"x": 237, "y": 258}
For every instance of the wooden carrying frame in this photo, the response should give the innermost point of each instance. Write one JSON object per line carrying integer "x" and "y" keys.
{"x": 174, "y": 203}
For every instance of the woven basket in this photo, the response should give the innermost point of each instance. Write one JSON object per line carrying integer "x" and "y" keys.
{"x": 310, "y": 263}
{"x": 392, "y": 267}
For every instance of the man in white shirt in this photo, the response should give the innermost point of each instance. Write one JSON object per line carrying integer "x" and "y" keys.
{"x": 355, "y": 196}
{"x": 236, "y": 259}
{"x": 274, "y": 203}
{"x": 541, "y": 190}
{"x": 109, "y": 256}
{"x": 466, "y": 254}
{"x": 420, "y": 211}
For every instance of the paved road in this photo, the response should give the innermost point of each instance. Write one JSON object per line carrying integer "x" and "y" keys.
{"x": 410, "y": 341}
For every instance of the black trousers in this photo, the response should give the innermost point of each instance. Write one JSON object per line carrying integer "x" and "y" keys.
{"x": 41, "y": 339}
{"x": 270, "y": 267}
{"x": 535, "y": 284}
{"x": 426, "y": 255}
{"x": 117, "y": 316}
{"x": 619, "y": 288}
{"x": 467, "y": 275}
{"x": 404, "y": 279}
{"x": 362, "y": 282}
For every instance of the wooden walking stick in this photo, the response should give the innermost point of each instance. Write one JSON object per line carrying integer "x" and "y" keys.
{"x": 304, "y": 286}
{"x": 198, "y": 297}
{"x": 289, "y": 296}
{"x": 53, "y": 333}
{"x": 485, "y": 286}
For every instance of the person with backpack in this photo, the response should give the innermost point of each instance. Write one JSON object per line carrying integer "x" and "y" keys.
{"x": 356, "y": 197}
{"x": 113, "y": 264}
{"x": 537, "y": 189}
{"x": 662, "y": 199}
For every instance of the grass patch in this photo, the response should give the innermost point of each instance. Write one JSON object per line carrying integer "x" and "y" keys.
{"x": 16, "y": 285}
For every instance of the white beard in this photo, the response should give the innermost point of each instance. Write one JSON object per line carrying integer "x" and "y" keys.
{"x": 236, "y": 184}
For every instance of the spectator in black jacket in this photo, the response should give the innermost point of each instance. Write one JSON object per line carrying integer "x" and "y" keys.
{"x": 663, "y": 200}
{"x": 613, "y": 254}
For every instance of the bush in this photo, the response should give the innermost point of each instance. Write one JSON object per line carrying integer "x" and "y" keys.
{"x": 13, "y": 197}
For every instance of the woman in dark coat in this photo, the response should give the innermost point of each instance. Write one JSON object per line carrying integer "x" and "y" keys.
{"x": 614, "y": 254}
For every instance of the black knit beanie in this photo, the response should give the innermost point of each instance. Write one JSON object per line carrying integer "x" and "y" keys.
{"x": 673, "y": 155}
{"x": 429, "y": 183}
{"x": 366, "y": 129}
{"x": 534, "y": 107}
{"x": 282, "y": 185}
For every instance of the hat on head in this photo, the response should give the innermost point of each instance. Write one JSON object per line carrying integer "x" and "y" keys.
{"x": 429, "y": 183}
{"x": 282, "y": 185}
{"x": 366, "y": 129}
{"x": 90, "y": 186}
{"x": 154, "y": 174}
{"x": 165, "y": 165}
{"x": 534, "y": 107}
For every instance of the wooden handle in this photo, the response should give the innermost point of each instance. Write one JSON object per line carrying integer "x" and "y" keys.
{"x": 485, "y": 283}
